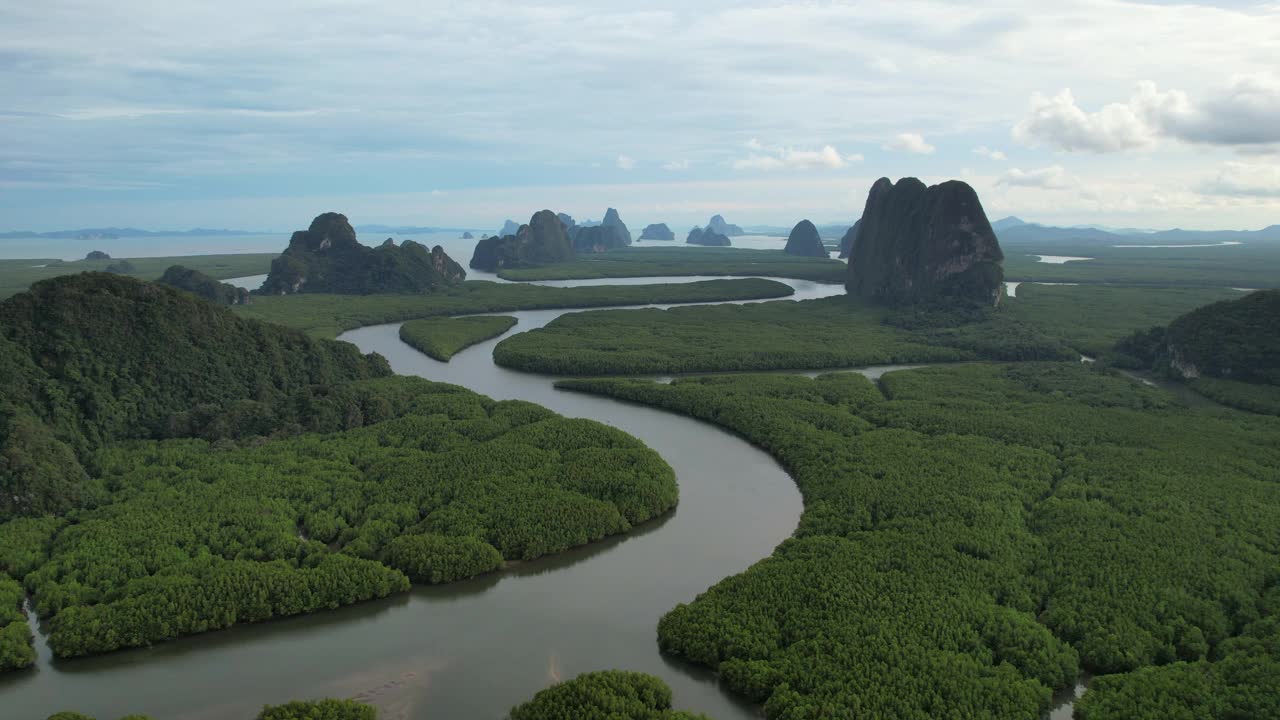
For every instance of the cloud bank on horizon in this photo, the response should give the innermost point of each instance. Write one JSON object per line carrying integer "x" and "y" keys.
{"x": 260, "y": 115}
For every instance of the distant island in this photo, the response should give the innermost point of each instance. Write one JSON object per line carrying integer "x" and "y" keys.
{"x": 609, "y": 234}
{"x": 549, "y": 237}
{"x": 508, "y": 228}
{"x": 709, "y": 237}
{"x": 327, "y": 258}
{"x": 658, "y": 231}
{"x": 718, "y": 225}
{"x": 805, "y": 241}
{"x": 544, "y": 240}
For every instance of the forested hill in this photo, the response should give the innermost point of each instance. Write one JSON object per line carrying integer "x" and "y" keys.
{"x": 1228, "y": 351}
{"x": 1236, "y": 339}
{"x": 90, "y": 358}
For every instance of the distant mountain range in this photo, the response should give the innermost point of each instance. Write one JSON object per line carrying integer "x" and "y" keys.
{"x": 1012, "y": 230}
{"x": 114, "y": 233}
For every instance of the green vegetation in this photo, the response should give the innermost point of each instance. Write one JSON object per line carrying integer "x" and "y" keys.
{"x": 15, "y": 636}
{"x": 831, "y": 332}
{"x": 199, "y": 535}
{"x": 1244, "y": 683}
{"x": 1256, "y": 398}
{"x": 1092, "y": 318}
{"x": 1228, "y": 351}
{"x": 1042, "y": 322}
{"x": 330, "y": 315}
{"x": 225, "y": 471}
{"x": 93, "y": 358}
{"x": 974, "y": 534}
{"x": 1237, "y": 340}
{"x": 1254, "y": 265}
{"x": 681, "y": 260}
{"x": 319, "y": 710}
{"x": 605, "y": 695}
{"x": 203, "y": 286}
{"x": 433, "y": 559}
{"x": 442, "y": 338}
{"x": 18, "y": 275}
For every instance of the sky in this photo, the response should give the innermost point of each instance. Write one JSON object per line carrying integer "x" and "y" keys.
{"x": 261, "y": 115}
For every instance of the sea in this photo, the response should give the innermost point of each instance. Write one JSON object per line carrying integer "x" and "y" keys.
{"x": 184, "y": 245}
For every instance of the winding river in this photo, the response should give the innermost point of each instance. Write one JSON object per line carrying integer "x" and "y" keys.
{"x": 476, "y": 648}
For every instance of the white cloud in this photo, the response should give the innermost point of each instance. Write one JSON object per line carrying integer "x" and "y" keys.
{"x": 1245, "y": 180}
{"x": 676, "y": 165}
{"x": 775, "y": 157}
{"x": 990, "y": 154}
{"x": 173, "y": 105}
{"x": 911, "y": 143}
{"x": 1058, "y": 121}
{"x": 1244, "y": 114}
{"x": 625, "y": 162}
{"x": 1053, "y": 177}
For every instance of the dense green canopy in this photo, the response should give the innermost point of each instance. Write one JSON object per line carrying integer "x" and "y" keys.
{"x": 1228, "y": 351}
{"x": 191, "y": 469}
{"x": 442, "y": 338}
{"x": 92, "y": 358}
{"x": 203, "y": 286}
{"x": 831, "y": 332}
{"x": 973, "y": 535}
{"x": 605, "y": 695}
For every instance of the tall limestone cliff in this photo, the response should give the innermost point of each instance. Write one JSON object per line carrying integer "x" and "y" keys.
{"x": 613, "y": 220}
{"x": 850, "y": 237}
{"x": 805, "y": 241}
{"x": 544, "y": 240}
{"x": 327, "y": 258}
{"x": 720, "y": 227}
{"x": 919, "y": 243}
{"x": 609, "y": 234}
